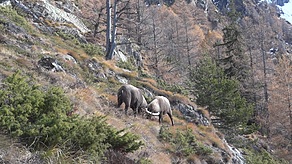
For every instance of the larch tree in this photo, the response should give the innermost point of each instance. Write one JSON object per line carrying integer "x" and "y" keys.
{"x": 280, "y": 107}
{"x": 153, "y": 39}
{"x": 94, "y": 13}
{"x": 261, "y": 37}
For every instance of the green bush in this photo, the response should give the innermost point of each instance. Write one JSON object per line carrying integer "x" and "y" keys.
{"x": 8, "y": 14}
{"x": 39, "y": 118}
{"x": 176, "y": 88}
{"x": 183, "y": 142}
{"x": 19, "y": 104}
{"x": 127, "y": 64}
{"x": 65, "y": 36}
{"x": 261, "y": 157}
{"x": 92, "y": 49}
{"x": 144, "y": 161}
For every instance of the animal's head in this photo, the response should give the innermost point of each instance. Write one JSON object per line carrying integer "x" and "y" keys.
{"x": 153, "y": 108}
{"x": 144, "y": 103}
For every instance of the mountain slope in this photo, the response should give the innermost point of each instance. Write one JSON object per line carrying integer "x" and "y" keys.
{"x": 55, "y": 53}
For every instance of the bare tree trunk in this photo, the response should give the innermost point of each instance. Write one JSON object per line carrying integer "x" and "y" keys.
{"x": 138, "y": 28}
{"x": 110, "y": 54}
{"x": 156, "y": 56}
{"x": 253, "y": 79}
{"x": 108, "y": 27}
{"x": 265, "y": 112}
{"x": 187, "y": 44}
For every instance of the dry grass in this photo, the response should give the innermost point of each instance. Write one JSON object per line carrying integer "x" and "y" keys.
{"x": 205, "y": 112}
{"x": 148, "y": 131}
{"x": 111, "y": 98}
{"x": 149, "y": 80}
{"x": 111, "y": 65}
{"x": 13, "y": 152}
{"x": 7, "y": 52}
{"x": 177, "y": 113}
{"x": 78, "y": 54}
{"x": 209, "y": 136}
{"x": 182, "y": 99}
{"x": 154, "y": 89}
{"x": 23, "y": 62}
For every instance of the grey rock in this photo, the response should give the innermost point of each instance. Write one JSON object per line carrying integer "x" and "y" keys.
{"x": 191, "y": 114}
{"x": 51, "y": 64}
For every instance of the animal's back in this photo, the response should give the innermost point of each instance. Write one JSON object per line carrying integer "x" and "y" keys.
{"x": 163, "y": 103}
{"x": 127, "y": 94}
{"x": 122, "y": 95}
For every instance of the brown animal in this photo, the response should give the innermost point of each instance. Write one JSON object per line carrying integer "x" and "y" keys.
{"x": 132, "y": 97}
{"x": 159, "y": 107}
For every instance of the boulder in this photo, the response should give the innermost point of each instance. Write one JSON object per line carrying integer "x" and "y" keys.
{"x": 50, "y": 64}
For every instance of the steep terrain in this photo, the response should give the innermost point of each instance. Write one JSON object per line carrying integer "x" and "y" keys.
{"x": 48, "y": 43}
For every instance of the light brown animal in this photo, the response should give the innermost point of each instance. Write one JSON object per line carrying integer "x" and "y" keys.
{"x": 132, "y": 97}
{"x": 159, "y": 107}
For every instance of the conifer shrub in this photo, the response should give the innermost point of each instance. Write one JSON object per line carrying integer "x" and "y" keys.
{"x": 9, "y": 14}
{"x": 222, "y": 96}
{"x": 127, "y": 64}
{"x": 91, "y": 49}
{"x": 176, "y": 88}
{"x": 261, "y": 157}
{"x": 65, "y": 36}
{"x": 39, "y": 118}
{"x": 183, "y": 142}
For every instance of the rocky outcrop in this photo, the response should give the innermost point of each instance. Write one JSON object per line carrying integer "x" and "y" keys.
{"x": 223, "y": 5}
{"x": 192, "y": 114}
{"x": 43, "y": 11}
{"x": 59, "y": 15}
{"x": 281, "y": 2}
{"x": 50, "y": 64}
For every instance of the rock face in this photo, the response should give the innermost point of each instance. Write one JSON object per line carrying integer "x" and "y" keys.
{"x": 42, "y": 10}
{"x": 191, "y": 114}
{"x": 281, "y": 2}
{"x": 223, "y": 5}
{"x": 47, "y": 10}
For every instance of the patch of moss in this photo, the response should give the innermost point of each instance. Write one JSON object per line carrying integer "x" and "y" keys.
{"x": 92, "y": 49}
{"x": 127, "y": 65}
{"x": 8, "y": 14}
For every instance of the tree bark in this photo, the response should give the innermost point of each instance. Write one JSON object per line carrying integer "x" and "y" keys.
{"x": 108, "y": 27}
{"x": 110, "y": 52}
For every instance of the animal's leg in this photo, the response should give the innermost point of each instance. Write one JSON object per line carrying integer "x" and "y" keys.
{"x": 170, "y": 116}
{"x": 119, "y": 102}
{"x": 120, "y": 99}
{"x": 135, "y": 111}
{"x": 139, "y": 110}
{"x": 126, "y": 109}
{"x": 160, "y": 118}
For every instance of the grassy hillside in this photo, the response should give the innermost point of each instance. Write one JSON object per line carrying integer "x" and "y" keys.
{"x": 91, "y": 83}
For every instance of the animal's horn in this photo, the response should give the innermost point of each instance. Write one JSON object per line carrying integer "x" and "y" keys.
{"x": 154, "y": 114}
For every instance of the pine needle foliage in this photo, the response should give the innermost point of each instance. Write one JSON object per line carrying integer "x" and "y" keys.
{"x": 261, "y": 157}
{"x": 183, "y": 142}
{"x": 39, "y": 119}
{"x": 221, "y": 95}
